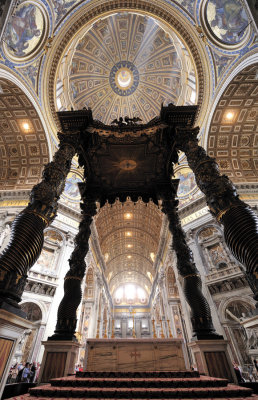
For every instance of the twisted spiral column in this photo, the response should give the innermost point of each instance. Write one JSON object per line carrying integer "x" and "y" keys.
{"x": 27, "y": 237}
{"x": 66, "y": 315}
{"x": 240, "y": 222}
{"x": 192, "y": 285}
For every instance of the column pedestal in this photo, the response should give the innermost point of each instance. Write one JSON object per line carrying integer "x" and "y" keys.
{"x": 212, "y": 358}
{"x": 58, "y": 360}
{"x": 11, "y": 328}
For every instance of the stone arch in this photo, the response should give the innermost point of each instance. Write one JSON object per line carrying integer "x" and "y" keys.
{"x": 29, "y": 344}
{"x": 231, "y": 314}
{"x": 48, "y": 261}
{"x": 236, "y": 299}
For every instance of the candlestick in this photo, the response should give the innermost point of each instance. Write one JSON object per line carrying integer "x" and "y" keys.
{"x": 162, "y": 332}
{"x": 169, "y": 329}
{"x": 153, "y": 328}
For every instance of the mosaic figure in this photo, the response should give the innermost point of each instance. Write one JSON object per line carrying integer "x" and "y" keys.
{"x": 71, "y": 188}
{"x": 187, "y": 182}
{"x": 25, "y": 30}
{"x": 227, "y": 20}
{"x": 61, "y": 7}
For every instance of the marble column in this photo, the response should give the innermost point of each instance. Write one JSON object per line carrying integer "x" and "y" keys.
{"x": 240, "y": 222}
{"x": 192, "y": 285}
{"x": 66, "y": 315}
{"x": 27, "y": 237}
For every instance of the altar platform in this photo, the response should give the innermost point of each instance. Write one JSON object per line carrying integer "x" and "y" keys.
{"x": 135, "y": 355}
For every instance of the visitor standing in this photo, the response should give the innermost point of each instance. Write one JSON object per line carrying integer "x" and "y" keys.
{"x": 33, "y": 370}
{"x": 26, "y": 373}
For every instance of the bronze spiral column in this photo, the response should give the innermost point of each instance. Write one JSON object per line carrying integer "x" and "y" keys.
{"x": 27, "y": 236}
{"x": 192, "y": 285}
{"x": 66, "y": 315}
{"x": 240, "y": 222}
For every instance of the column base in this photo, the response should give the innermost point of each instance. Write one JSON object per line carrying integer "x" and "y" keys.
{"x": 207, "y": 336}
{"x": 58, "y": 360}
{"x": 11, "y": 328}
{"x": 65, "y": 337}
{"x": 212, "y": 358}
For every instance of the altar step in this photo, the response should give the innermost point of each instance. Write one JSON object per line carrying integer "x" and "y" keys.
{"x": 138, "y": 385}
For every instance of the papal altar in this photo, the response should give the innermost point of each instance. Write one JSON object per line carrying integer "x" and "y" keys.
{"x": 135, "y": 355}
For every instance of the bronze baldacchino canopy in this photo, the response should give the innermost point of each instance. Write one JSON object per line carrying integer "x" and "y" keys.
{"x": 121, "y": 160}
{"x": 128, "y": 158}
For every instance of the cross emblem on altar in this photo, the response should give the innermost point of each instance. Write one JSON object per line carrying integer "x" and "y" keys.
{"x": 135, "y": 355}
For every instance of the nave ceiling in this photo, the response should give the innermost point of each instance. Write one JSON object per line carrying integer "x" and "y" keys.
{"x": 129, "y": 235}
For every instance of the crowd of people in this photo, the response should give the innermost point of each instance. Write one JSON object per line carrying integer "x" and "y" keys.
{"x": 249, "y": 374}
{"x": 24, "y": 372}
{"x": 29, "y": 372}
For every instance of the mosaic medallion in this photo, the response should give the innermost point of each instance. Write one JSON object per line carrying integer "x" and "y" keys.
{"x": 25, "y": 30}
{"x": 226, "y": 20}
{"x": 124, "y": 78}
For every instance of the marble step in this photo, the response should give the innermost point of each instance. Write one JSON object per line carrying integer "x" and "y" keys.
{"x": 139, "y": 374}
{"x": 28, "y": 397}
{"x": 140, "y": 393}
{"x": 202, "y": 381}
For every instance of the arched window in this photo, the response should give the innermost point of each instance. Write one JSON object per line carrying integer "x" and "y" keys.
{"x": 130, "y": 294}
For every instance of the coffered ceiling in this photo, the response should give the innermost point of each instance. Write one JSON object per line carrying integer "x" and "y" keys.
{"x": 23, "y": 144}
{"x": 233, "y": 133}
